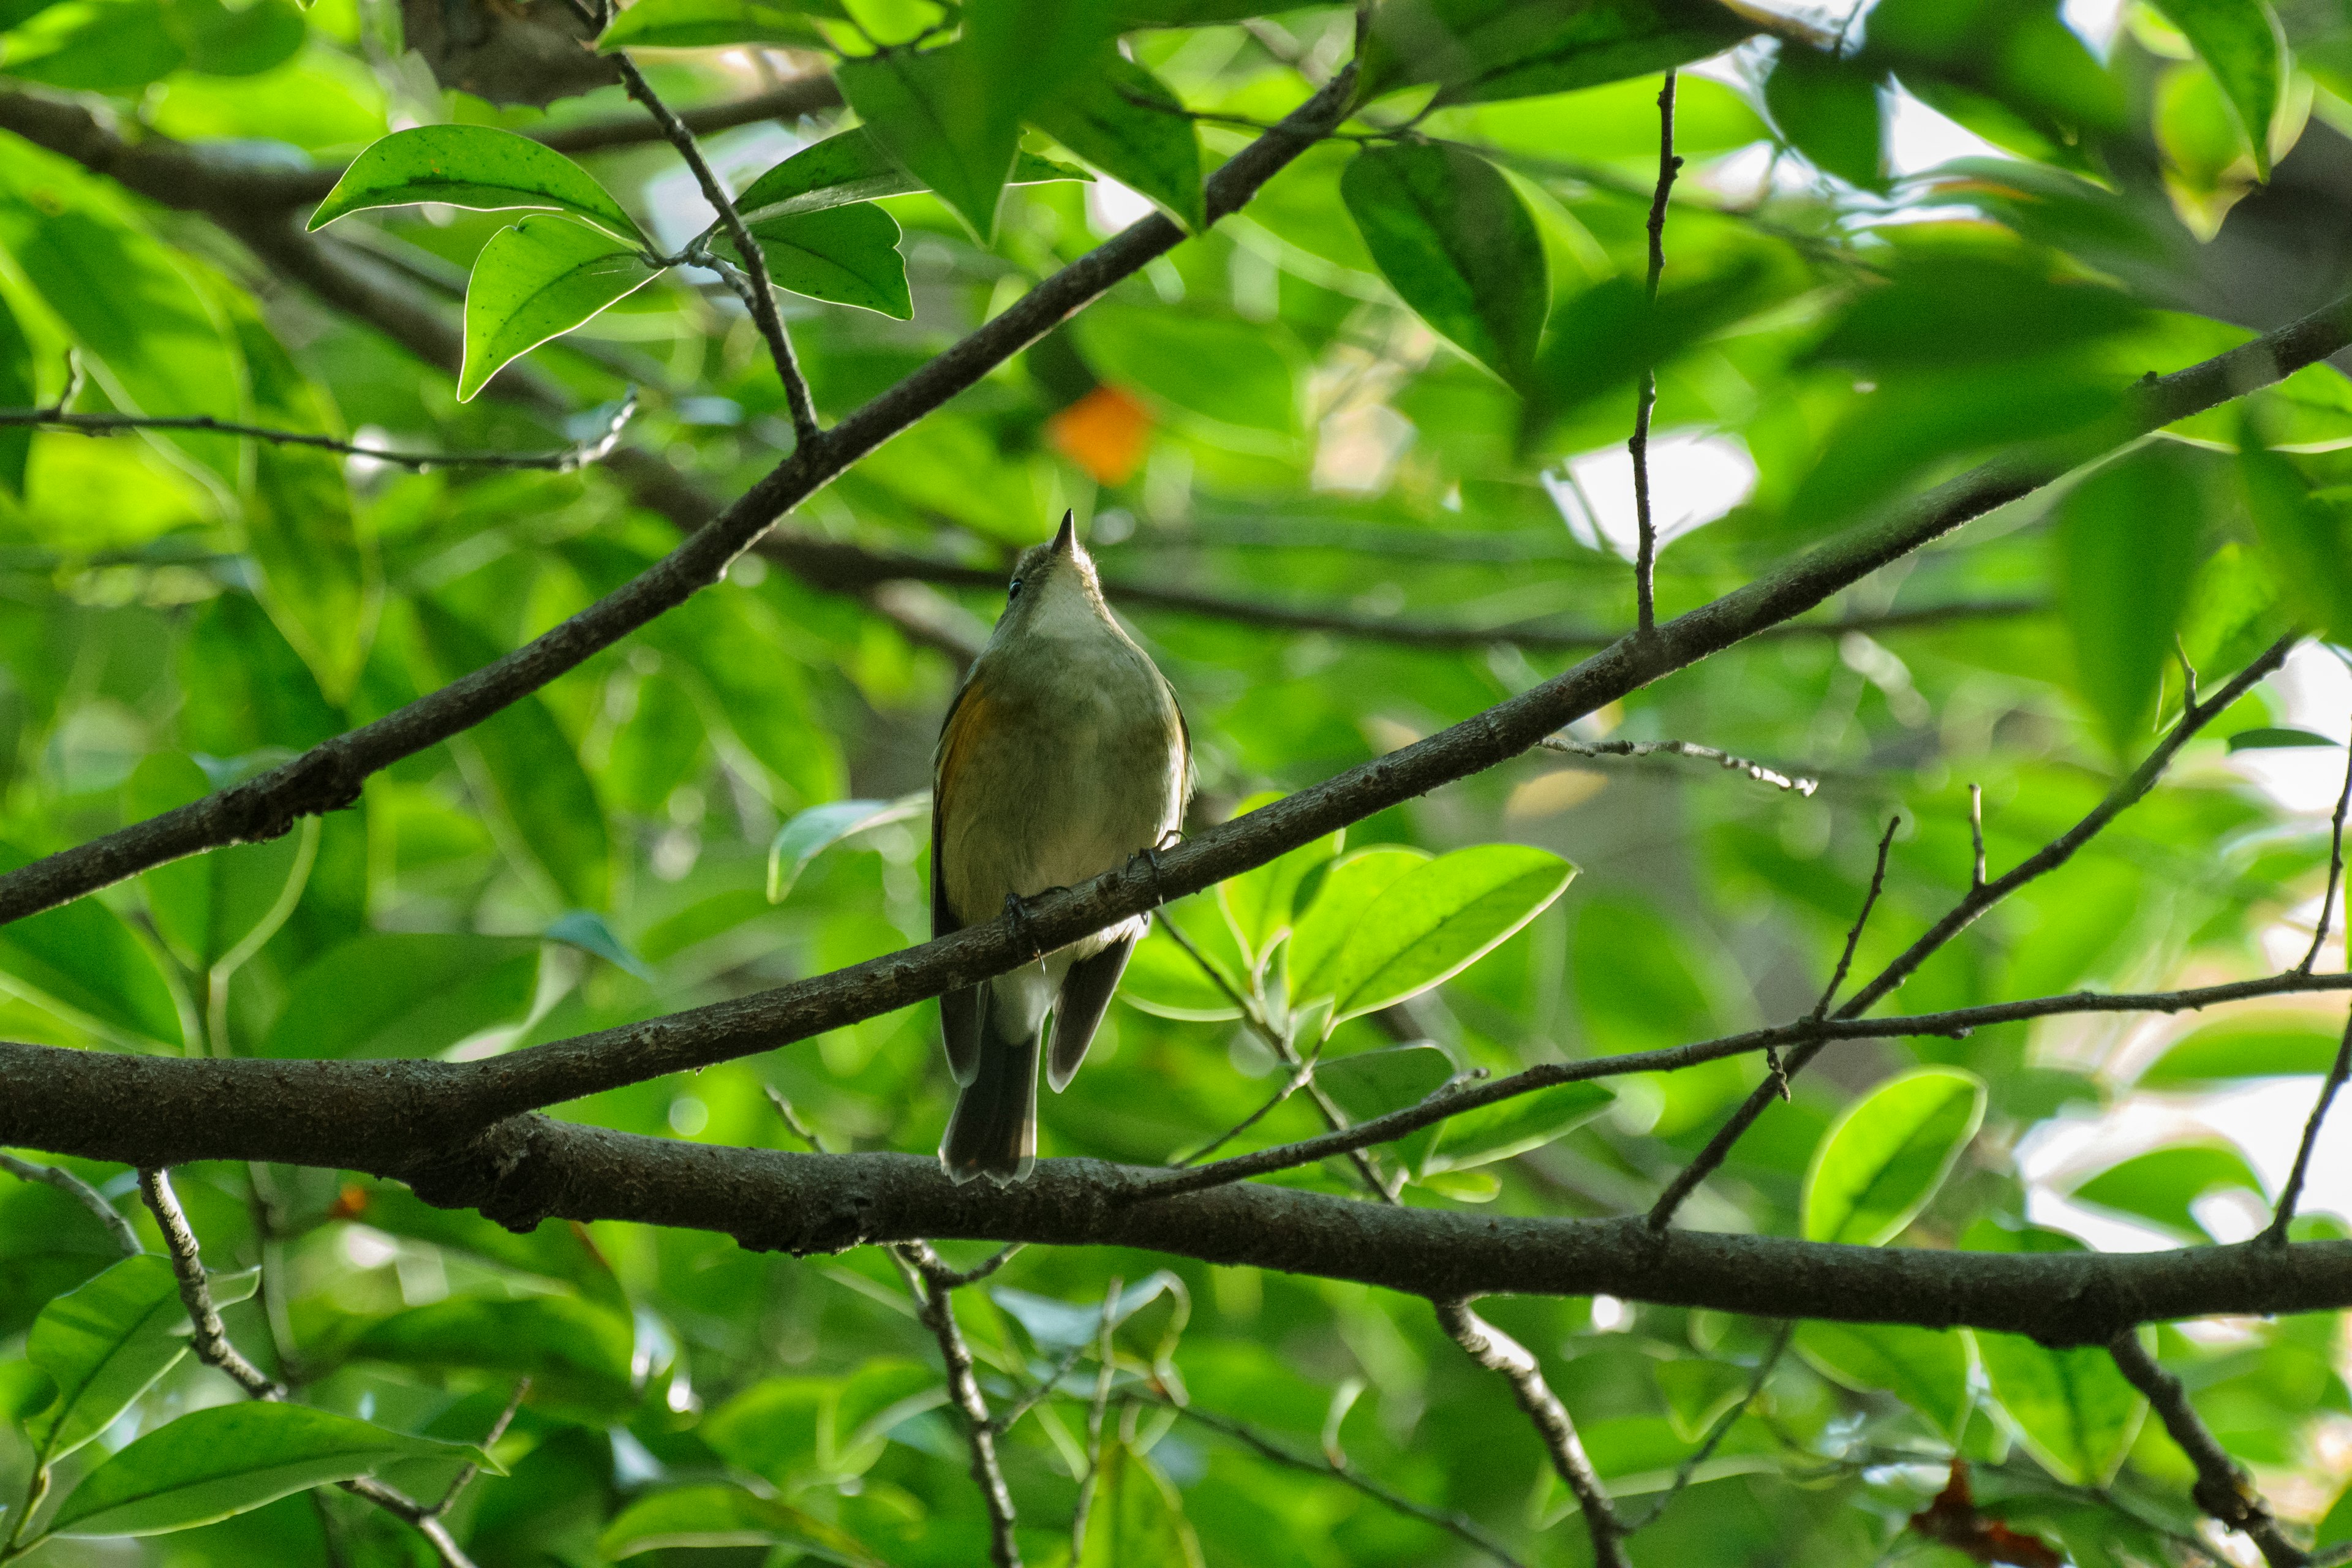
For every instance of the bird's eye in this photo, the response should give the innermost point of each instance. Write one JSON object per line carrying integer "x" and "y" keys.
{"x": 1014, "y": 591}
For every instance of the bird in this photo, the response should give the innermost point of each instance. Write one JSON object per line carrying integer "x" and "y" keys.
{"x": 1064, "y": 755}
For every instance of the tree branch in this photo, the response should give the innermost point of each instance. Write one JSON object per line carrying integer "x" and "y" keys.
{"x": 570, "y": 460}
{"x": 82, "y": 1193}
{"x": 2334, "y": 866}
{"x": 2222, "y": 1490}
{"x": 1646, "y": 557}
{"x": 2289, "y": 1195}
{"x": 1499, "y": 1352}
{"x": 932, "y": 1283}
{"x": 1757, "y": 771}
{"x": 210, "y": 1340}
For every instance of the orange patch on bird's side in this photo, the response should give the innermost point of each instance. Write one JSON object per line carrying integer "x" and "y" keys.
{"x": 1106, "y": 433}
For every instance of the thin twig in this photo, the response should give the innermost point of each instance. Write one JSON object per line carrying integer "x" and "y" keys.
{"x": 568, "y": 460}
{"x": 425, "y": 1521}
{"x": 1757, "y": 771}
{"x": 1964, "y": 914}
{"x": 799, "y": 1129}
{"x": 1499, "y": 1352}
{"x": 1646, "y": 557}
{"x": 210, "y": 1340}
{"x": 2334, "y": 864}
{"x": 76, "y": 375}
{"x": 466, "y": 1473}
{"x": 2222, "y": 1490}
{"x": 1715, "y": 1434}
{"x": 1460, "y": 1526}
{"x": 1854, "y": 934}
{"x": 1976, "y": 837}
{"x": 1097, "y": 1408}
{"x": 117, "y": 1225}
{"x": 2290, "y": 1195}
{"x": 929, "y": 1280}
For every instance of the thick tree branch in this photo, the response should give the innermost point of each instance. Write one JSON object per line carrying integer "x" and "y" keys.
{"x": 2222, "y": 1490}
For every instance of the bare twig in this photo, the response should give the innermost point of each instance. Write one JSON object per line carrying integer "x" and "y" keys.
{"x": 466, "y": 1473}
{"x": 427, "y": 1522}
{"x": 1964, "y": 914}
{"x": 929, "y": 1280}
{"x": 2292, "y": 1192}
{"x": 1460, "y": 1526}
{"x": 76, "y": 375}
{"x": 82, "y": 1192}
{"x": 1097, "y": 1409}
{"x": 2334, "y": 864}
{"x": 2222, "y": 1490}
{"x": 1976, "y": 832}
{"x": 1645, "y": 558}
{"x": 1854, "y": 934}
{"x": 568, "y": 460}
{"x": 1715, "y": 1434}
{"x": 1567, "y": 746}
{"x": 210, "y": 1340}
{"x": 799, "y": 1129}
{"x": 1499, "y": 1352}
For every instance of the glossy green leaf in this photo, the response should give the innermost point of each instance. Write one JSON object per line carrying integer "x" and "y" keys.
{"x": 102, "y": 1346}
{"x": 2127, "y": 542}
{"x": 2162, "y": 1188}
{"x": 81, "y": 959}
{"x": 715, "y": 1516}
{"x": 1373, "y": 1083}
{"x": 217, "y": 908}
{"x": 845, "y": 254}
{"x": 1828, "y": 109}
{"x": 17, "y": 390}
{"x": 2074, "y": 1410}
{"x": 411, "y": 994}
{"x": 1513, "y": 1127}
{"x": 2263, "y": 739}
{"x": 2241, "y": 43}
{"x": 1347, "y": 889}
{"x": 704, "y": 24}
{"x": 2246, "y": 1046}
{"x": 1884, "y": 1157}
{"x": 1925, "y": 1370}
{"x": 1457, "y": 243}
{"x": 568, "y": 1348}
{"x": 1124, "y": 120}
{"x": 538, "y": 280}
{"x": 472, "y": 166}
{"x": 811, "y": 833}
{"x": 1481, "y": 50}
{"x": 1435, "y": 921}
{"x": 213, "y": 1463}
{"x": 933, "y": 113}
{"x": 1138, "y": 1516}
{"x": 852, "y": 167}
{"x": 97, "y": 46}
{"x": 1261, "y": 902}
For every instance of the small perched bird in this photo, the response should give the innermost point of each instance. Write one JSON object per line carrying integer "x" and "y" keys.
{"x": 1062, "y": 756}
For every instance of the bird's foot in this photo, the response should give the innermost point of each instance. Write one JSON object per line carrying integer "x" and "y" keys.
{"x": 1016, "y": 910}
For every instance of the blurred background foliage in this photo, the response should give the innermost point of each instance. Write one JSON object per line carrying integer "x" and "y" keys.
{"x": 1966, "y": 228}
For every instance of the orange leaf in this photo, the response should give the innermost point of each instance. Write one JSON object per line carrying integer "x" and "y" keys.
{"x": 1105, "y": 432}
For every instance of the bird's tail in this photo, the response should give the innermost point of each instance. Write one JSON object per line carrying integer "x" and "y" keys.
{"x": 994, "y": 1131}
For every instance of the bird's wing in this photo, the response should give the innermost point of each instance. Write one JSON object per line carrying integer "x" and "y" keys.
{"x": 959, "y": 1010}
{"x": 1077, "y": 1013}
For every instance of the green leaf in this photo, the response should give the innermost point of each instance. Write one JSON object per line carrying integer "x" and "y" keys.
{"x": 318, "y": 579}
{"x": 101, "y": 45}
{"x": 2024, "y": 59}
{"x": 538, "y": 280}
{"x": 1478, "y": 51}
{"x": 210, "y": 1464}
{"x": 2273, "y": 740}
{"x": 715, "y": 1516}
{"x": 472, "y": 166}
{"x": 1456, "y": 243}
{"x": 2160, "y": 1187}
{"x": 2246, "y": 1046}
{"x": 17, "y": 390}
{"x": 1124, "y": 120}
{"x": 568, "y": 1348}
{"x": 81, "y": 959}
{"x": 1138, "y": 1517}
{"x": 1881, "y": 1161}
{"x": 1435, "y": 921}
{"x": 934, "y": 114}
{"x": 1373, "y": 1083}
{"x": 215, "y": 907}
{"x": 701, "y": 24}
{"x": 1259, "y": 903}
{"x": 2074, "y": 1410}
{"x": 1828, "y": 109}
{"x": 410, "y": 994}
{"x": 852, "y": 167}
{"x": 2127, "y": 542}
{"x": 245, "y": 40}
{"x": 820, "y": 827}
{"x": 587, "y": 930}
{"x": 2239, "y": 41}
{"x": 2302, "y": 538}
{"x": 1162, "y": 979}
{"x": 1349, "y": 889}
{"x": 1602, "y": 338}
{"x": 1513, "y": 1127}
{"x": 1925, "y": 1370}
{"x": 846, "y": 255}
{"x": 1234, "y": 372}
{"x": 103, "y": 1344}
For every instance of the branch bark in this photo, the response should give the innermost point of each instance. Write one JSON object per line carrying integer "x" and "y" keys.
{"x": 2222, "y": 1490}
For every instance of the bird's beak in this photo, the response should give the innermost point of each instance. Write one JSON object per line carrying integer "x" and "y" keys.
{"x": 1066, "y": 540}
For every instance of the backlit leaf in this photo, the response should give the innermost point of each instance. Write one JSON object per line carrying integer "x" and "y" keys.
{"x": 538, "y": 280}
{"x": 1886, "y": 1155}
{"x": 471, "y": 166}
